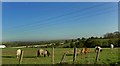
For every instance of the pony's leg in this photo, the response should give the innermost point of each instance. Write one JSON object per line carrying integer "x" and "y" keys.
{"x": 85, "y": 52}
{"x": 48, "y": 55}
{"x": 40, "y": 54}
{"x": 17, "y": 56}
{"x": 44, "y": 55}
{"x": 37, "y": 55}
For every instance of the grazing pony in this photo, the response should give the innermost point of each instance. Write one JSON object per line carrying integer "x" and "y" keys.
{"x": 41, "y": 52}
{"x": 112, "y": 46}
{"x": 19, "y": 51}
{"x": 98, "y": 48}
{"x": 85, "y": 50}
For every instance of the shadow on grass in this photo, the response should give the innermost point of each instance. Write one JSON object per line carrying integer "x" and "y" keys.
{"x": 69, "y": 54}
{"x": 23, "y": 57}
{"x": 8, "y": 57}
{"x": 30, "y": 57}
{"x": 108, "y": 60}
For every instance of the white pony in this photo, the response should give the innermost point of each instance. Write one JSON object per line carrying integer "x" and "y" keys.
{"x": 112, "y": 46}
{"x": 19, "y": 51}
{"x": 98, "y": 48}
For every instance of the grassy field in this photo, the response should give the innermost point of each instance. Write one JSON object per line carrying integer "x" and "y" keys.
{"x": 107, "y": 56}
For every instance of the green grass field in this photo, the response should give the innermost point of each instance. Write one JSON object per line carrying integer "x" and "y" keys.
{"x": 107, "y": 56}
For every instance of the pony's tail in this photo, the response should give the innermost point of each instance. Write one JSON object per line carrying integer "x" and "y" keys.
{"x": 38, "y": 53}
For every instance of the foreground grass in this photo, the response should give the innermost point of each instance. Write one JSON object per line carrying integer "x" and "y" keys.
{"x": 107, "y": 56}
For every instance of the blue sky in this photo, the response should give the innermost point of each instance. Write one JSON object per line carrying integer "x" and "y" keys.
{"x": 57, "y": 20}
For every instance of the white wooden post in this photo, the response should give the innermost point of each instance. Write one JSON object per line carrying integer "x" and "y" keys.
{"x": 97, "y": 55}
{"x": 53, "y": 54}
{"x": 74, "y": 55}
{"x": 63, "y": 57}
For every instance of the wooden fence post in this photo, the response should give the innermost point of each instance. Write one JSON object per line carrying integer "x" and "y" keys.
{"x": 63, "y": 57}
{"x": 21, "y": 57}
{"x": 97, "y": 55}
{"x": 53, "y": 54}
{"x": 74, "y": 55}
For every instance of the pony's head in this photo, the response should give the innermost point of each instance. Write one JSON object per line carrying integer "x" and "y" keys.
{"x": 48, "y": 53}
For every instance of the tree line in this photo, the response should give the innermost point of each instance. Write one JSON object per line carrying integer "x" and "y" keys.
{"x": 105, "y": 41}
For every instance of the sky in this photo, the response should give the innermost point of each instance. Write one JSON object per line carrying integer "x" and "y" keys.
{"x": 36, "y": 21}
{"x": 60, "y": 0}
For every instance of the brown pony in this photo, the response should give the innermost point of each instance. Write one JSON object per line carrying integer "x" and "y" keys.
{"x": 85, "y": 50}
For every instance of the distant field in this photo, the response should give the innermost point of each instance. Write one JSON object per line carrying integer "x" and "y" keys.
{"x": 107, "y": 56}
